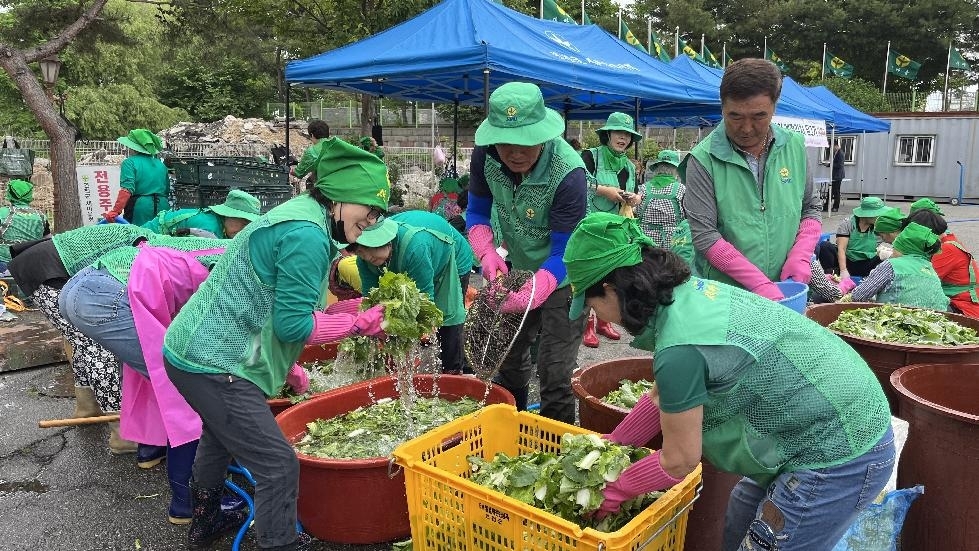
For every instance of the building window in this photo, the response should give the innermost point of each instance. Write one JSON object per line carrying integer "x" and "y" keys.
{"x": 914, "y": 150}
{"x": 848, "y": 145}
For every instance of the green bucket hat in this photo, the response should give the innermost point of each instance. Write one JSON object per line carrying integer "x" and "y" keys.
{"x": 518, "y": 116}
{"x": 926, "y": 204}
{"x": 20, "y": 191}
{"x": 621, "y": 122}
{"x": 916, "y": 239}
{"x": 870, "y": 207}
{"x": 669, "y": 157}
{"x": 239, "y": 204}
{"x": 449, "y": 185}
{"x": 600, "y": 243}
{"x": 379, "y": 234}
{"x": 889, "y": 222}
{"x": 348, "y": 174}
{"x": 143, "y": 141}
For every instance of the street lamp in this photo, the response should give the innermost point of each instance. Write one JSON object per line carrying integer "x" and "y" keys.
{"x": 50, "y": 66}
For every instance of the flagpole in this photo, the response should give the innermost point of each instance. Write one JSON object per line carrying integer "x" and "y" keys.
{"x": 724, "y": 56}
{"x": 764, "y": 54}
{"x": 676, "y": 42}
{"x": 649, "y": 35}
{"x": 823, "y": 77}
{"x": 702, "y": 46}
{"x": 619, "y": 32}
{"x": 542, "y": 9}
{"x": 948, "y": 67}
{"x": 887, "y": 64}
{"x": 582, "y": 20}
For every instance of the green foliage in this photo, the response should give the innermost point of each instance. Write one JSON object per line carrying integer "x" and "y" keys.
{"x": 107, "y": 112}
{"x": 890, "y": 323}
{"x": 859, "y": 93}
{"x": 234, "y": 87}
{"x": 15, "y": 118}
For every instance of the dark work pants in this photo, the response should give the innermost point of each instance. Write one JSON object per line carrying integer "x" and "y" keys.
{"x": 835, "y": 191}
{"x": 239, "y": 424}
{"x": 557, "y": 356}
{"x": 452, "y": 340}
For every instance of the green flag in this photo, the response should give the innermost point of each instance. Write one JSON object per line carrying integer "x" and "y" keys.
{"x": 586, "y": 18}
{"x": 690, "y": 52}
{"x": 902, "y": 66}
{"x": 709, "y": 59}
{"x": 835, "y": 66}
{"x": 956, "y": 61}
{"x": 554, "y": 12}
{"x": 770, "y": 56}
{"x": 727, "y": 59}
{"x": 626, "y": 34}
{"x": 659, "y": 50}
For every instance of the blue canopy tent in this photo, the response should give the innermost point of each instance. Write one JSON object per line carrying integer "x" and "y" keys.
{"x": 848, "y": 119}
{"x": 459, "y": 50}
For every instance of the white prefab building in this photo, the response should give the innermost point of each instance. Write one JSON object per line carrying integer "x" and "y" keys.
{"x": 924, "y": 155}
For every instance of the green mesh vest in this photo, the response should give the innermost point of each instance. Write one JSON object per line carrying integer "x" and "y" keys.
{"x": 807, "y": 402}
{"x": 19, "y": 223}
{"x": 915, "y": 284}
{"x": 605, "y": 176}
{"x": 761, "y": 226}
{"x": 861, "y": 245}
{"x": 118, "y": 262}
{"x": 226, "y": 326}
{"x": 521, "y": 214}
{"x": 83, "y": 246}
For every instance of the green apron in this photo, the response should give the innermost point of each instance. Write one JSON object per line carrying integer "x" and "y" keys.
{"x": 862, "y": 245}
{"x": 605, "y": 176}
{"x": 915, "y": 284}
{"x": 147, "y": 180}
{"x": 762, "y": 226}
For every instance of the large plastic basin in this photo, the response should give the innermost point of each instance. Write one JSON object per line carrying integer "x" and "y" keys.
{"x": 941, "y": 404}
{"x": 885, "y": 358}
{"x": 705, "y": 526}
{"x": 355, "y": 501}
{"x": 310, "y": 354}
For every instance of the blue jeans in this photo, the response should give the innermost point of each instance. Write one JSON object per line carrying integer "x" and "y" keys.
{"x": 98, "y": 305}
{"x": 806, "y": 510}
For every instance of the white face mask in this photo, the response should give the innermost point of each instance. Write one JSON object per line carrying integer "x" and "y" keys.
{"x": 884, "y": 251}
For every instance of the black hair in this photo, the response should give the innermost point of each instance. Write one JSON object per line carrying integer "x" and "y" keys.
{"x": 928, "y": 219}
{"x": 318, "y": 129}
{"x": 462, "y": 200}
{"x": 320, "y": 198}
{"x": 749, "y": 77}
{"x": 643, "y": 288}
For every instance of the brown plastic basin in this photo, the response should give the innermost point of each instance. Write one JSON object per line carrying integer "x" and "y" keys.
{"x": 884, "y": 358}
{"x": 941, "y": 404}
{"x": 705, "y": 527}
{"x": 310, "y": 354}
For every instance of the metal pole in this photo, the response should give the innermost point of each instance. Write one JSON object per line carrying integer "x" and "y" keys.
{"x": 887, "y": 64}
{"x": 863, "y": 138}
{"x": 486, "y": 92}
{"x": 823, "y": 74}
{"x": 649, "y": 35}
{"x": 288, "y": 152}
{"x": 948, "y": 67}
{"x": 582, "y": 12}
{"x": 676, "y": 42}
{"x": 635, "y": 122}
{"x": 433, "y": 124}
{"x": 455, "y": 135}
{"x": 832, "y": 157}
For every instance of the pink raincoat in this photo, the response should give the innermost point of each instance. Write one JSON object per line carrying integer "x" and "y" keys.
{"x": 160, "y": 283}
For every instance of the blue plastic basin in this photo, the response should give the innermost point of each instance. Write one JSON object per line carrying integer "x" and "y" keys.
{"x": 796, "y": 295}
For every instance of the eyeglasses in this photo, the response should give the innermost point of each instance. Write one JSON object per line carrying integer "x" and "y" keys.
{"x": 375, "y": 215}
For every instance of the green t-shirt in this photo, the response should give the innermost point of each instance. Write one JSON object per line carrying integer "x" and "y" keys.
{"x": 307, "y": 163}
{"x": 685, "y": 374}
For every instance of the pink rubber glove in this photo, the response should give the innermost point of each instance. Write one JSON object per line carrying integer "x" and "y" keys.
{"x": 333, "y": 327}
{"x": 490, "y": 261}
{"x": 729, "y": 260}
{"x": 847, "y": 285}
{"x": 798, "y": 265}
{"x": 349, "y": 306}
{"x": 643, "y": 476}
{"x": 516, "y": 303}
{"x": 639, "y": 426}
{"x": 298, "y": 379}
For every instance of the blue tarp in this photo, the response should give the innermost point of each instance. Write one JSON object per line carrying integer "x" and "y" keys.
{"x": 443, "y": 54}
{"x": 848, "y": 119}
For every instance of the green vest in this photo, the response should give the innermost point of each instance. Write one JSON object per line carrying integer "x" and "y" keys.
{"x": 915, "y": 284}
{"x": 522, "y": 212}
{"x": 605, "y": 176}
{"x": 119, "y": 261}
{"x": 226, "y": 326}
{"x": 19, "y": 223}
{"x": 952, "y": 289}
{"x": 861, "y": 245}
{"x": 761, "y": 226}
{"x": 80, "y": 247}
{"x": 808, "y": 401}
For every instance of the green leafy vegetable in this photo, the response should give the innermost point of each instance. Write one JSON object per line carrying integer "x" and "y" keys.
{"x": 375, "y": 430}
{"x": 628, "y": 393}
{"x": 891, "y": 323}
{"x": 569, "y": 484}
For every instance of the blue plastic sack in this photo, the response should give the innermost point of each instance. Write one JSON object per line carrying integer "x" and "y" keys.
{"x": 878, "y": 527}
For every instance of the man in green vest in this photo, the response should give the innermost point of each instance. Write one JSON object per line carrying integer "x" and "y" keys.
{"x": 749, "y": 190}
{"x": 528, "y": 184}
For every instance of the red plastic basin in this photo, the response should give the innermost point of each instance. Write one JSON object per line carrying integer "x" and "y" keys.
{"x": 310, "y": 354}
{"x": 354, "y": 500}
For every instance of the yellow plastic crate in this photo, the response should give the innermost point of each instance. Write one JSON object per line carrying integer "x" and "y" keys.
{"x": 448, "y": 512}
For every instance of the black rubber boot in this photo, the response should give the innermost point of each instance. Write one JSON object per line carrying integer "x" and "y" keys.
{"x": 210, "y": 522}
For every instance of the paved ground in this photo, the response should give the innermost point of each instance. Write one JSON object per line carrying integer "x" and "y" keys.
{"x": 60, "y": 489}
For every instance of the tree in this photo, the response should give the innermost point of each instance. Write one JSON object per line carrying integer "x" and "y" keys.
{"x": 859, "y": 93}
{"x": 17, "y": 64}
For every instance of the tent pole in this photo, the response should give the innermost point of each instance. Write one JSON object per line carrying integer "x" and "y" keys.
{"x": 564, "y": 134}
{"x": 288, "y": 152}
{"x": 486, "y": 92}
{"x": 832, "y": 157}
{"x": 636, "y": 123}
{"x": 433, "y": 124}
{"x": 455, "y": 136}
{"x": 863, "y": 139}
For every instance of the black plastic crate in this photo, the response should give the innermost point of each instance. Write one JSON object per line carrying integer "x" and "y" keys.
{"x": 185, "y": 171}
{"x": 186, "y": 196}
{"x": 268, "y": 196}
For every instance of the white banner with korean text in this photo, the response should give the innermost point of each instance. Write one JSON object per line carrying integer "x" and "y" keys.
{"x": 813, "y": 129}
{"x": 98, "y": 186}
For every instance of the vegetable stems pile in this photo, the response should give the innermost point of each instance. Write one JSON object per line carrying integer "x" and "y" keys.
{"x": 895, "y": 324}
{"x": 628, "y": 393}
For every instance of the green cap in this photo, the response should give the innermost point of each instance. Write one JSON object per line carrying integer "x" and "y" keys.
{"x": 518, "y": 116}
{"x": 346, "y": 173}
{"x": 379, "y": 234}
{"x": 669, "y": 157}
{"x": 916, "y": 239}
{"x": 870, "y": 207}
{"x": 926, "y": 204}
{"x": 621, "y": 122}
{"x": 239, "y": 204}
{"x": 889, "y": 222}
{"x": 449, "y": 185}
{"x": 600, "y": 243}
{"x": 143, "y": 141}
{"x": 20, "y": 191}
